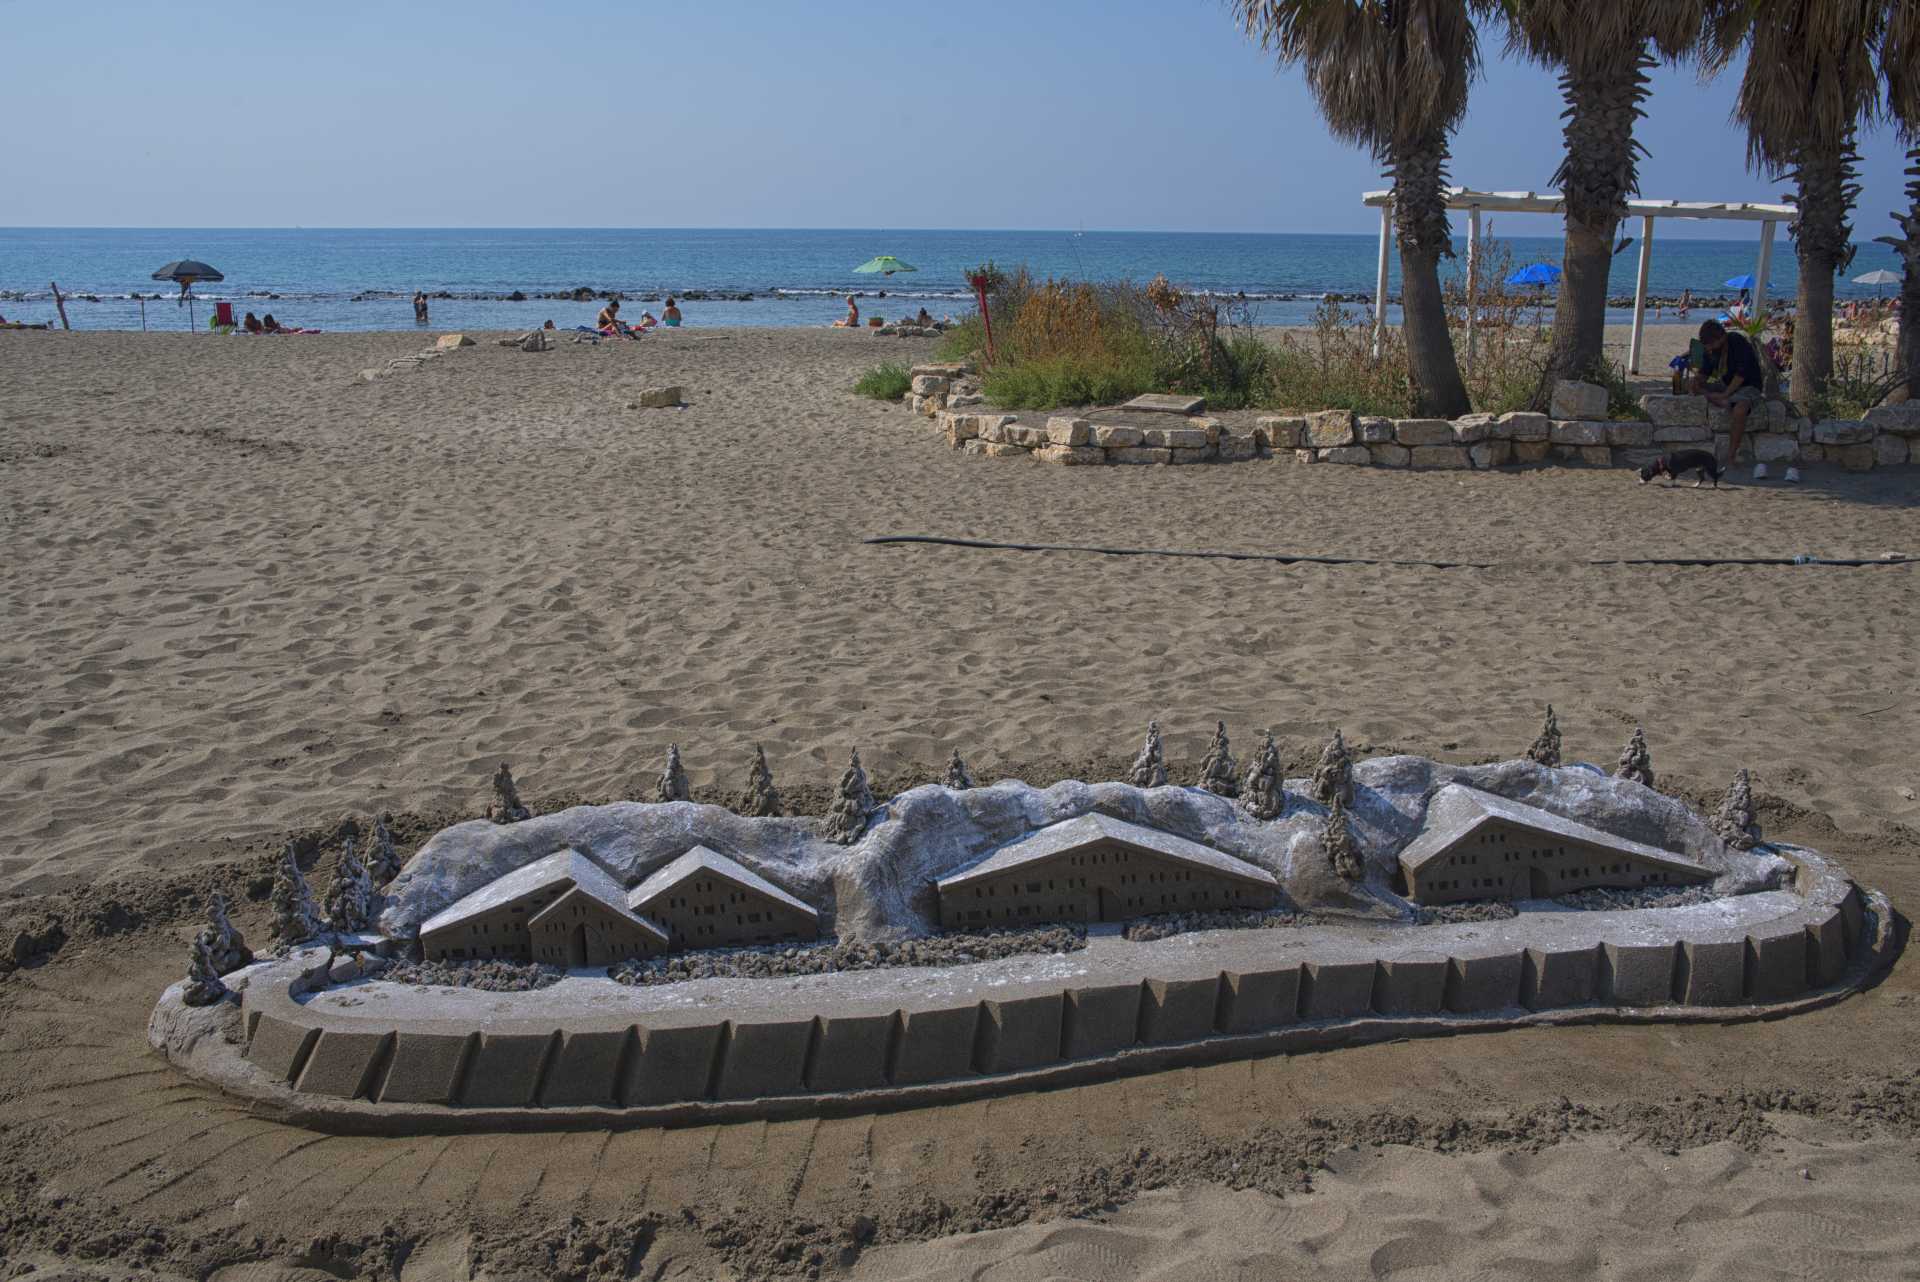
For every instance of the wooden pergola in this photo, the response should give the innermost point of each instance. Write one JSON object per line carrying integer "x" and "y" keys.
{"x": 1549, "y": 202}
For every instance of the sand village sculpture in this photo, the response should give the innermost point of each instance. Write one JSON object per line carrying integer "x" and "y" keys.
{"x": 661, "y": 961}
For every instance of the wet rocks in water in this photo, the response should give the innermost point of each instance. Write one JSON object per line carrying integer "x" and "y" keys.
{"x": 497, "y": 976}
{"x": 1149, "y": 769}
{"x": 775, "y": 960}
{"x": 1635, "y": 762}
{"x": 505, "y": 808}
{"x": 1218, "y": 770}
{"x": 350, "y": 894}
{"x": 1545, "y": 750}
{"x": 852, "y": 803}
{"x": 1164, "y": 925}
{"x": 296, "y": 918}
{"x": 1333, "y": 773}
{"x": 1734, "y": 822}
{"x": 957, "y": 776}
{"x": 761, "y": 799}
{"x": 672, "y": 785}
{"x": 1263, "y": 792}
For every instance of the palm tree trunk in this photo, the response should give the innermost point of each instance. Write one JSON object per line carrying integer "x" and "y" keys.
{"x": 1580, "y": 312}
{"x": 1813, "y": 332}
{"x": 1821, "y": 237}
{"x": 1907, "y": 245}
{"x": 1419, "y": 168}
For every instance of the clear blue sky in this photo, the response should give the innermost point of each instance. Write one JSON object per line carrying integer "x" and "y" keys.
{"x": 1112, "y": 114}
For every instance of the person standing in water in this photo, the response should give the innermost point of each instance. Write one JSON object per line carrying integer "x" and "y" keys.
{"x": 419, "y": 307}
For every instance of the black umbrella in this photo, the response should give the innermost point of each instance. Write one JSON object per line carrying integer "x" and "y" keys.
{"x": 187, "y": 271}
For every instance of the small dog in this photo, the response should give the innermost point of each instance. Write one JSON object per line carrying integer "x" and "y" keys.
{"x": 1681, "y": 461}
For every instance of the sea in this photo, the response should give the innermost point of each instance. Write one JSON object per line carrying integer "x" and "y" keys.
{"x": 516, "y": 278}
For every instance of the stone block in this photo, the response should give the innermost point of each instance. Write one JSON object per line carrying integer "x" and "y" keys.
{"x": 1072, "y": 455}
{"x": 935, "y": 1045}
{"x": 1554, "y": 977}
{"x": 1336, "y": 990}
{"x": 1236, "y": 448}
{"x": 1530, "y": 451}
{"x": 426, "y": 1067}
{"x": 1901, "y": 420}
{"x": 1470, "y": 429}
{"x": 1139, "y": 454}
{"x": 1827, "y": 940}
{"x": 1842, "y": 431}
{"x": 1664, "y": 410}
{"x": 588, "y": 1068}
{"x": 1329, "y": 429}
{"x": 931, "y": 385}
{"x": 1440, "y": 456}
{"x": 1350, "y": 454}
{"x": 343, "y": 1064}
{"x": 1031, "y": 438}
{"x": 1211, "y": 426}
{"x": 1390, "y": 455}
{"x": 1631, "y": 435}
{"x": 963, "y": 400}
{"x": 1775, "y": 447}
{"x": 1410, "y": 986}
{"x": 1890, "y": 450}
{"x": 993, "y": 428}
{"x": 762, "y": 1058}
{"x": 660, "y": 398}
{"x": 1490, "y": 454}
{"x": 1018, "y": 1032}
{"x": 1062, "y": 430}
{"x": 1522, "y": 425}
{"x": 1204, "y": 454}
{"x": 922, "y": 405}
{"x": 1712, "y": 974}
{"x": 1491, "y": 982}
{"x": 1636, "y": 974}
{"x": 1812, "y": 453}
{"x": 1681, "y": 435}
{"x": 1422, "y": 431}
{"x": 1162, "y": 403}
{"x": 447, "y": 342}
{"x": 850, "y": 1053}
{"x": 1595, "y": 455}
{"x": 958, "y": 427}
{"x": 1582, "y": 433}
{"x": 1254, "y": 1001}
{"x": 1375, "y": 431}
{"x": 1178, "y": 1010}
{"x": 672, "y": 1065}
{"x": 1283, "y": 432}
{"x": 1777, "y": 962}
{"x": 279, "y": 1047}
{"x": 1114, "y": 437}
{"x": 1305, "y": 456}
{"x": 1854, "y": 458}
{"x": 1176, "y": 438}
{"x": 506, "y": 1069}
{"x": 1575, "y": 400}
{"x": 1099, "y": 1020}
{"x": 1009, "y": 450}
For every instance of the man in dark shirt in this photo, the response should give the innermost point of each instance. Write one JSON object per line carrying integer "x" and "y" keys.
{"x": 1731, "y": 379}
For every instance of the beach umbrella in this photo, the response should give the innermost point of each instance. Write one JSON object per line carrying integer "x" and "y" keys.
{"x": 187, "y": 271}
{"x": 1880, "y": 276}
{"x": 1535, "y": 274}
{"x": 885, "y": 265}
{"x": 1740, "y": 282}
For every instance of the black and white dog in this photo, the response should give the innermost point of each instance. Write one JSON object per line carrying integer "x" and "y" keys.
{"x": 1675, "y": 464}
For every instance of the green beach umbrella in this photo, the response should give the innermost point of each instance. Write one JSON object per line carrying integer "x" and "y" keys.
{"x": 886, "y": 265}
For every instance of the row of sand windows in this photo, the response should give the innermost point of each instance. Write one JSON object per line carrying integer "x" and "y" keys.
{"x": 1100, "y": 857}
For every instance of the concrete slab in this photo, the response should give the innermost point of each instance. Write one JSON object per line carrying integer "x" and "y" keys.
{"x": 1099, "y": 1020}
{"x": 1554, "y": 977}
{"x": 1712, "y": 974}
{"x": 343, "y": 1064}
{"x": 507, "y": 1068}
{"x": 1637, "y": 974}
{"x": 280, "y": 1047}
{"x": 850, "y": 1052}
{"x": 1162, "y": 403}
{"x": 1252, "y": 1001}
{"x": 1487, "y": 982}
{"x": 1410, "y": 986}
{"x": 672, "y": 1064}
{"x": 1336, "y": 990}
{"x": 1178, "y": 1010}
{"x": 1777, "y": 962}
{"x": 1829, "y": 937}
{"x": 763, "y": 1057}
{"x": 588, "y": 1068}
{"x": 1018, "y": 1032}
{"x": 426, "y": 1067}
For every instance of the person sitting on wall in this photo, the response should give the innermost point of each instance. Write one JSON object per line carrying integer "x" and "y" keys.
{"x": 852, "y": 319}
{"x": 1730, "y": 378}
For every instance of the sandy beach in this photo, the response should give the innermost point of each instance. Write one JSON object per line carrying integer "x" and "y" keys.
{"x": 249, "y": 594}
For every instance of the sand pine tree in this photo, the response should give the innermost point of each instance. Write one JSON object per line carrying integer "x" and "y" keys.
{"x": 673, "y": 779}
{"x": 1342, "y": 852}
{"x": 1218, "y": 768}
{"x": 957, "y": 776}
{"x": 1149, "y": 769}
{"x": 852, "y": 803}
{"x": 1546, "y": 749}
{"x": 762, "y": 799}
{"x": 1333, "y": 773}
{"x": 1635, "y": 762}
{"x": 383, "y": 857}
{"x": 295, "y": 918}
{"x": 204, "y": 987}
{"x": 1264, "y": 792}
{"x": 505, "y": 808}
{"x": 350, "y": 894}
{"x": 1734, "y": 822}
{"x": 227, "y": 949}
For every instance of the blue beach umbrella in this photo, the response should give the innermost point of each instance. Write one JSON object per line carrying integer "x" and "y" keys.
{"x": 1535, "y": 274}
{"x": 1740, "y": 282}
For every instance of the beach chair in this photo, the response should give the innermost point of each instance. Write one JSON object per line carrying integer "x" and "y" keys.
{"x": 222, "y": 317}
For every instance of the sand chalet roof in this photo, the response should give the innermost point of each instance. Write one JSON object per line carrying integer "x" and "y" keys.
{"x": 558, "y": 908}
{"x": 1056, "y": 839}
{"x": 1456, "y": 810}
{"x": 702, "y": 860}
{"x": 561, "y": 868}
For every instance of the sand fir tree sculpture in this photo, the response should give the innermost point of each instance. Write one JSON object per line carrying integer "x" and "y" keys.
{"x": 1333, "y": 773}
{"x": 673, "y": 779}
{"x": 226, "y": 947}
{"x": 350, "y": 893}
{"x": 1342, "y": 852}
{"x": 1635, "y": 762}
{"x": 957, "y": 776}
{"x": 204, "y": 986}
{"x": 1149, "y": 769}
{"x": 383, "y": 857}
{"x": 505, "y": 808}
{"x": 1734, "y": 822}
{"x": 1218, "y": 769}
{"x": 762, "y": 799}
{"x": 1264, "y": 792}
{"x": 295, "y": 918}
{"x": 852, "y": 803}
{"x": 1546, "y": 749}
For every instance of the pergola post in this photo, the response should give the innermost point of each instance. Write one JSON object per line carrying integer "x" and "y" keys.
{"x": 1473, "y": 268}
{"x": 1766, "y": 265}
{"x": 1380, "y": 278}
{"x": 1640, "y": 292}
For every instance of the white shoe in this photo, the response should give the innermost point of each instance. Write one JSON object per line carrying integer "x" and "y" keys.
{"x": 1793, "y": 476}
{"x": 1759, "y": 471}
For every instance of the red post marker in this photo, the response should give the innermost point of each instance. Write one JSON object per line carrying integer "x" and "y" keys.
{"x": 979, "y": 283}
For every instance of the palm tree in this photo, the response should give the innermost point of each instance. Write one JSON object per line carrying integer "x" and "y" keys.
{"x": 1603, "y": 53}
{"x": 1392, "y": 75}
{"x": 1900, "y": 62}
{"x": 1810, "y": 82}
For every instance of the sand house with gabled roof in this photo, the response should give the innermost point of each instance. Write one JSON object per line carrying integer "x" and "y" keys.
{"x": 1097, "y": 868}
{"x": 1475, "y": 845}
{"x": 564, "y": 910}
{"x": 705, "y": 900}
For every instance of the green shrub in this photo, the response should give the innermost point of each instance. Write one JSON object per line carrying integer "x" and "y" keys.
{"x": 889, "y": 382}
{"x": 1332, "y": 367}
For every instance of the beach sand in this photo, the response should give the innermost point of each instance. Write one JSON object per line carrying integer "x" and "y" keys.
{"x": 248, "y": 594}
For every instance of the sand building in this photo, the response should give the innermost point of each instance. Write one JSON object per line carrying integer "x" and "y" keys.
{"x": 705, "y": 900}
{"x": 563, "y": 909}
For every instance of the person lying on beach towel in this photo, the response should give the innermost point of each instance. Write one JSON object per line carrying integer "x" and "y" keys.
{"x": 252, "y": 324}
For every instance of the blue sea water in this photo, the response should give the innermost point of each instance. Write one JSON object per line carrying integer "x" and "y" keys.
{"x": 363, "y": 279}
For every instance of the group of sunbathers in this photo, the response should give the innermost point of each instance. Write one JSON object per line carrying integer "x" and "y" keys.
{"x": 263, "y": 325}
{"x": 608, "y": 322}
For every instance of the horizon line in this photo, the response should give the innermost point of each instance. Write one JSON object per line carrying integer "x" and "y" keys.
{"x": 1371, "y": 234}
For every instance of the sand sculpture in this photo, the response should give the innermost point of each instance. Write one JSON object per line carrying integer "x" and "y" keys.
{"x": 505, "y": 808}
{"x": 203, "y": 985}
{"x": 226, "y": 946}
{"x": 1338, "y": 839}
{"x": 1546, "y": 748}
{"x": 1333, "y": 775}
{"x": 1264, "y": 791}
{"x": 761, "y": 799}
{"x": 295, "y": 917}
{"x": 350, "y": 894}
{"x": 852, "y": 803}
{"x": 1635, "y": 762}
{"x": 1218, "y": 770}
{"x": 957, "y": 776}
{"x": 1734, "y": 822}
{"x": 673, "y": 779}
{"x": 1149, "y": 769}
{"x": 383, "y": 857}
